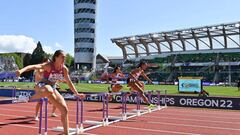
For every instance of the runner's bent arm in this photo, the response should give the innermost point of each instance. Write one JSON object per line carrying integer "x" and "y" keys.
{"x": 29, "y": 68}
{"x": 146, "y": 77}
{"x": 68, "y": 81}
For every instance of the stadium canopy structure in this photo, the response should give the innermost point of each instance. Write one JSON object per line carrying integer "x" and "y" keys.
{"x": 214, "y": 37}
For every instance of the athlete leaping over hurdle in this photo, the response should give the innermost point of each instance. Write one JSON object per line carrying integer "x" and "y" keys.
{"x": 114, "y": 77}
{"x": 137, "y": 85}
{"x": 39, "y": 80}
{"x": 54, "y": 71}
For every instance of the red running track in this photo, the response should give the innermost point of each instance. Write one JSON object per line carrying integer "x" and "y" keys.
{"x": 17, "y": 119}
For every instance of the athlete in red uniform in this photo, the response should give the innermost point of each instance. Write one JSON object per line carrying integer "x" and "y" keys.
{"x": 114, "y": 77}
{"x": 54, "y": 71}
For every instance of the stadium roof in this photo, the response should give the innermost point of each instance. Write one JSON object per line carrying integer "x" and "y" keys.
{"x": 115, "y": 57}
{"x": 214, "y": 37}
{"x": 103, "y": 58}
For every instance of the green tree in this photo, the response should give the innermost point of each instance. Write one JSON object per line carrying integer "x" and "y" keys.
{"x": 38, "y": 54}
{"x": 26, "y": 61}
{"x": 69, "y": 62}
{"x": 48, "y": 55}
{"x": 37, "y": 57}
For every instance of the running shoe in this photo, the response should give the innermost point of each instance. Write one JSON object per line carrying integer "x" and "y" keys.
{"x": 151, "y": 106}
{"x": 54, "y": 115}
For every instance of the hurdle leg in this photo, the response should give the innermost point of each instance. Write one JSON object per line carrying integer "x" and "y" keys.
{"x": 149, "y": 99}
{"x": 103, "y": 106}
{"x": 14, "y": 95}
{"x": 46, "y": 116}
{"x": 107, "y": 100}
{"x": 138, "y": 104}
{"x": 158, "y": 95}
{"x": 124, "y": 107}
{"x": 77, "y": 116}
{"x": 40, "y": 119}
{"x": 105, "y": 109}
{"x": 81, "y": 118}
{"x": 165, "y": 98}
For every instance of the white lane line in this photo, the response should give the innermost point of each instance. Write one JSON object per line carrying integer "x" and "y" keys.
{"x": 196, "y": 120}
{"x": 162, "y": 113}
{"x": 175, "y": 114}
{"x": 143, "y": 116}
{"x": 35, "y": 127}
{"x": 153, "y": 130}
{"x": 198, "y": 126}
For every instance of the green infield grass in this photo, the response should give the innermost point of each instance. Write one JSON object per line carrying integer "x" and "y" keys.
{"x": 171, "y": 89}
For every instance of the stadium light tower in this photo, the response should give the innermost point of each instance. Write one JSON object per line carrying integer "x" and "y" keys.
{"x": 84, "y": 34}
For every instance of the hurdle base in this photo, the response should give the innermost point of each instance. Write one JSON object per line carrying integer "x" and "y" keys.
{"x": 152, "y": 109}
{"x": 135, "y": 110}
{"x": 124, "y": 116}
{"x": 92, "y": 122}
{"x": 130, "y": 113}
{"x": 106, "y": 123}
{"x": 116, "y": 118}
{"x": 155, "y": 108}
{"x": 140, "y": 112}
{"x": 71, "y": 131}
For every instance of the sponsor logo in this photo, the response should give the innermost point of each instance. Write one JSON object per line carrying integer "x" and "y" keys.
{"x": 188, "y": 85}
{"x": 212, "y": 103}
{"x": 24, "y": 93}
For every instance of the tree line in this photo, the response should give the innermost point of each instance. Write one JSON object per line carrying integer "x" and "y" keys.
{"x": 37, "y": 56}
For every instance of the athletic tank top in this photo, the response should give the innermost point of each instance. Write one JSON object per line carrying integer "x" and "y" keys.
{"x": 138, "y": 74}
{"x": 116, "y": 77}
{"x": 54, "y": 75}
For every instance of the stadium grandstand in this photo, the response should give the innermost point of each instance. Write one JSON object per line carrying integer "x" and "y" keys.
{"x": 212, "y": 52}
{"x": 8, "y": 67}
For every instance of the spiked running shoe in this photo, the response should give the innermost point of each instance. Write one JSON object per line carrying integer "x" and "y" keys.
{"x": 151, "y": 106}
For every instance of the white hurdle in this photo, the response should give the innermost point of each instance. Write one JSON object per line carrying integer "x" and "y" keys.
{"x": 106, "y": 119}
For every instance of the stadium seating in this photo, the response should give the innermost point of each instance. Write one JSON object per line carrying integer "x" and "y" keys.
{"x": 213, "y": 67}
{"x": 7, "y": 67}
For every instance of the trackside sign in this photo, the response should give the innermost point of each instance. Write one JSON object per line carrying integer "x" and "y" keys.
{"x": 170, "y": 100}
{"x": 176, "y": 100}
